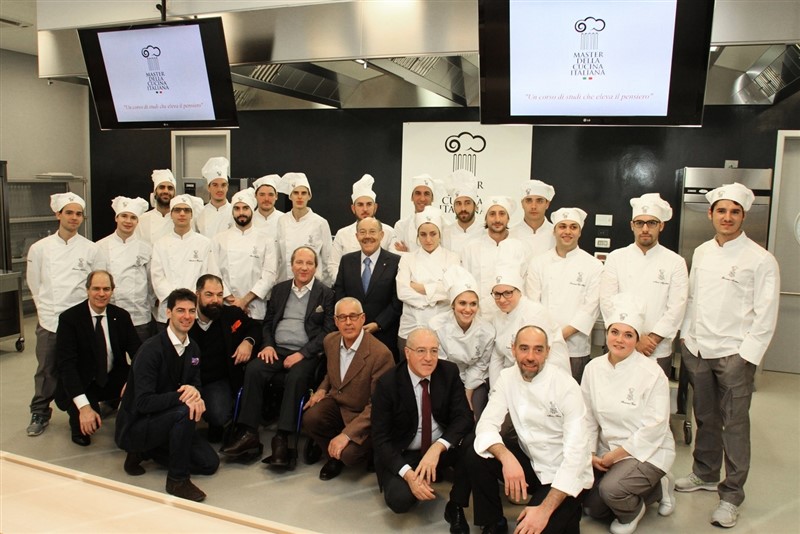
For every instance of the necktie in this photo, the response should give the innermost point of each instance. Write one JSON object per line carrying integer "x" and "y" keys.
{"x": 102, "y": 352}
{"x": 366, "y": 275}
{"x": 426, "y": 417}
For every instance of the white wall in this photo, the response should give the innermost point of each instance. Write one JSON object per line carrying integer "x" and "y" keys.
{"x": 43, "y": 128}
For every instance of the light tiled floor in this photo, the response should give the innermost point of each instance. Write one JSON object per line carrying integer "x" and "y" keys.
{"x": 352, "y": 503}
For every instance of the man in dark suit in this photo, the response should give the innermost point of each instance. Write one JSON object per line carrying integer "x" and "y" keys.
{"x": 226, "y": 337}
{"x": 299, "y": 315}
{"x": 162, "y": 404}
{"x": 92, "y": 341}
{"x": 411, "y": 448}
{"x": 338, "y": 413}
{"x": 381, "y": 305}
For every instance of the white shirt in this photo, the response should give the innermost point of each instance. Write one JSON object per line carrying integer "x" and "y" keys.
{"x": 129, "y": 263}
{"x": 56, "y": 275}
{"x": 733, "y": 300}
{"x": 180, "y": 346}
{"x": 436, "y": 430}
{"x": 153, "y": 226}
{"x": 506, "y": 326}
{"x": 310, "y": 231}
{"x": 213, "y": 220}
{"x": 178, "y": 261}
{"x": 428, "y": 270}
{"x": 627, "y": 406}
{"x": 471, "y": 351}
{"x": 267, "y": 225}
{"x": 480, "y": 258}
{"x": 569, "y": 288}
{"x": 345, "y": 242}
{"x": 248, "y": 262}
{"x": 346, "y": 355}
{"x": 659, "y": 278}
{"x": 300, "y": 292}
{"x": 455, "y": 238}
{"x": 549, "y": 417}
{"x": 536, "y": 242}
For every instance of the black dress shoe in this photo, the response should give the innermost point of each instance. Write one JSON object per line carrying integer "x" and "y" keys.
{"x": 312, "y": 453}
{"x": 454, "y": 514}
{"x": 280, "y": 450}
{"x": 247, "y": 443}
{"x": 80, "y": 439}
{"x": 501, "y": 527}
{"x": 185, "y": 490}
{"x": 131, "y": 465}
{"x": 331, "y": 469}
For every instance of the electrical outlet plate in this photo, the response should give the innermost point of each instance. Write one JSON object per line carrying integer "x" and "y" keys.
{"x": 602, "y": 242}
{"x": 603, "y": 220}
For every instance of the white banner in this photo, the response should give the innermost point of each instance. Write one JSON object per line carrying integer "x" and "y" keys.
{"x": 500, "y": 156}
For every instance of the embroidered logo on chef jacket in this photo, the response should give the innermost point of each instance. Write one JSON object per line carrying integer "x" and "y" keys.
{"x": 662, "y": 278}
{"x": 81, "y": 265}
{"x": 195, "y": 256}
{"x": 579, "y": 280}
{"x": 629, "y": 400}
{"x": 141, "y": 261}
{"x": 732, "y": 274}
{"x": 477, "y": 350}
{"x": 553, "y": 411}
{"x": 254, "y": 254}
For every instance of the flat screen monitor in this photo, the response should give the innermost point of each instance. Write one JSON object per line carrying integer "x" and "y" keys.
{"x": 600, "y": 62}
{"x": 166, "y": 75}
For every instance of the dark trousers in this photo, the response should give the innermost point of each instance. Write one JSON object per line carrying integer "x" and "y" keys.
{"x": 484, "y": 474}
{"x": 577, "y": 364}
{"x": 323, "y": 422}
{"x": 296, "y": 382}
{"x": 96, "y": 395}
{"x": 146, "y": 330}
{"x": 44, "y": 380}
{"x": 169, "y": 438}
{"x": 218, "y": 397}
{"x": 397, "y": 494}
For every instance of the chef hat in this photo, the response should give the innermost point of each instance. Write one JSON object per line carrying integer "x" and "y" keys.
{"x": 504, "y": 202}
{"x": 627, "y": 309}
{"x": 539, "y": 189}
{"x": 291, "y": 181}
{"x": 508, "y": 275}
{"x": 271, "y": 180}
{"x": 248, "y": 196}
{"x": 462, "y": 183}
{"x": 735, "y": 192}
{"x": 159, "y": 176}
{"x": 59, "y": 200}
{"x": 216, "y": 168}
{"x": 422, "y": 179}
{"x": 568, "y": 214}
{"x": 195, "y": 203}
{"x": 363, "y": 188}
{"x": 456, "y": 280}
{"x": 428, "y": 215}
{"x": 651, "y": 204}
{"x": 137, "y": 205}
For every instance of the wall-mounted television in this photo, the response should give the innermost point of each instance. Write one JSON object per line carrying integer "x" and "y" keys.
{"x": 164, "y": 75}
{"x": 596, "y": 62}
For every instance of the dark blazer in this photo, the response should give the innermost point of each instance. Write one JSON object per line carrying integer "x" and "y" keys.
{"x": 394, "y": 412}
{"x": 352, "y": 392}
{"x": 236, "y": 325}
{"x": 318, "y": 318}
{"x": 155, "y": 376}
{"x": 380, "y": 303}
{"x": 77, "y": 353}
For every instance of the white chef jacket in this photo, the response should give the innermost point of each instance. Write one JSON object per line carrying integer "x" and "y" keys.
{"x": 153, "y": 226}
{"x": 56, "y": 275}
{"x": 506, "y": 326}
{"x": 247, "y": 261}
{"x": 310, "y": 231}
{"x": 212, "y": 220}
{"x": 178, "y": 261}
{"x": 129, "y": 263}
{"x": 569, "y": 288}
{"x": 470, "y": 350}
{"x": 427, "y": 269}
{"x": 480, "y": 258}
{"x": 627, "y": 406}
{"x": 405, "y": 230}
{"x": 455, "y": 238}
{"x": 661, "y": 281}
{"x": 733, "y": 300}
{"x": 345, "y": 242}
{"x": 549, "y": 417}
{"x": 537, "y": 242}
{"x": 267, "y": 225}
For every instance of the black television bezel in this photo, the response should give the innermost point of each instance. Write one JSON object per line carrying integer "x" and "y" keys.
{"x": 212, "y": 35}
{"x": 691, "y": 49}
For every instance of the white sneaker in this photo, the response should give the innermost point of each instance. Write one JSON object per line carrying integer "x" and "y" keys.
{"x": 627, "y": 528}
{"x": 692, "y": 482}
{"x": 667, "y": 503}
{"x": 725, "y": 515}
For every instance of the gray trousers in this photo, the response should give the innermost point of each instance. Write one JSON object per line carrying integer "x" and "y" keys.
{"x": 723, "y": 388}
{"x": 666, "y": 365}
{"x": 624, "y": 489}
{"x": 577, "y": 364}
{"x": 145, "y": 331}
{"x": 44, "y": 380}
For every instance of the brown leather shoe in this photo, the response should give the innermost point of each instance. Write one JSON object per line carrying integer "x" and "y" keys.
{"x": 247, "y": 443}
{"x": 131, "y": 465}
{"x": 280, "y": 450}
{"x": 185, "y": 490}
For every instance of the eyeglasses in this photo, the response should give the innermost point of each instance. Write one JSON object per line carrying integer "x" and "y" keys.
{"x": 181, "y": 210}
{"x": 353, "y": 317}
{"x": 422, "y": 351}
{"x": 652, "y": 223}
{"x": 503, "y": 294}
